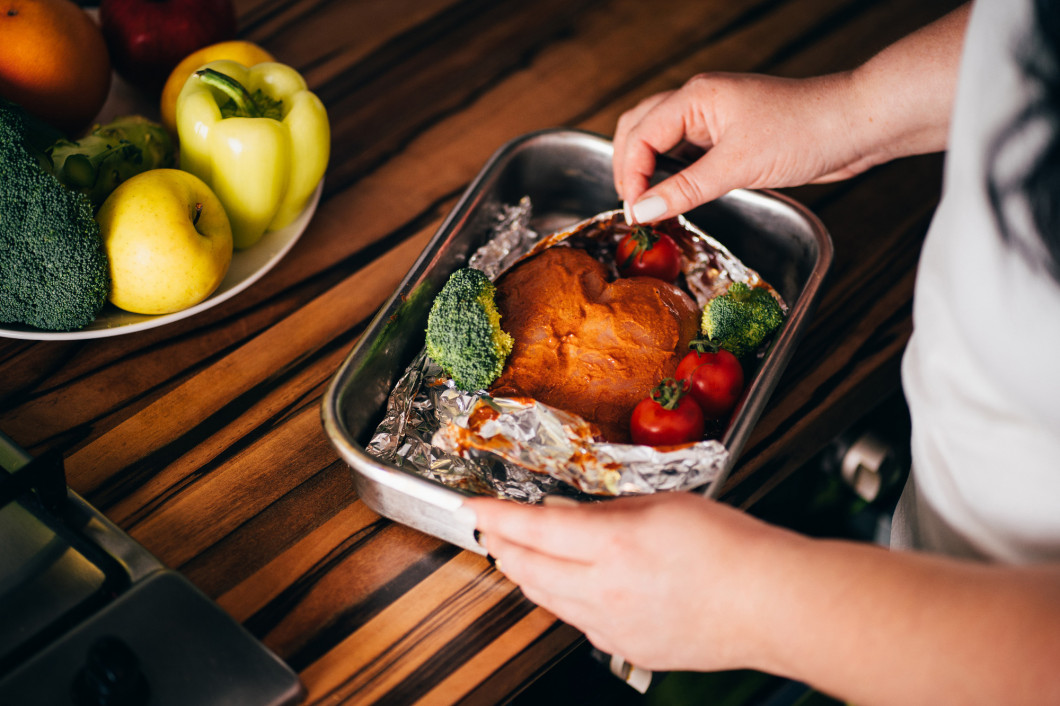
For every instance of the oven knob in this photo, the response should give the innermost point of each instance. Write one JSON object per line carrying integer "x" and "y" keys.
{"x": 111, "y": 676}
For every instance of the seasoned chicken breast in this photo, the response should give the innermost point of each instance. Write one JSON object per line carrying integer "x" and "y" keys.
{"x": 587, "y": 345}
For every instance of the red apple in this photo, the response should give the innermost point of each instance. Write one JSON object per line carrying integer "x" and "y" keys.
{"x": 148, "y": 38}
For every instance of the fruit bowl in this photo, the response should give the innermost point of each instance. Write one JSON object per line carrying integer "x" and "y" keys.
{"x": 248, "y": 266}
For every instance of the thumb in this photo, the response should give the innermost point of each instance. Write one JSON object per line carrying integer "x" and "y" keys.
{"x": 693, "y": 186}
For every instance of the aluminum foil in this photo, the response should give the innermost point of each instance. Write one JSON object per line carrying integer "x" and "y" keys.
{"x": 519, "y": 448}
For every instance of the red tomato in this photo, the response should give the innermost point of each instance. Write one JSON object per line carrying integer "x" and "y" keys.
{"x": 715, "y": 380}
{"x": 668, "y": 417}
{"x": 646, "y": 252}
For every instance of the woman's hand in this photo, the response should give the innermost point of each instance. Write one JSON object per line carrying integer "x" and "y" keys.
{"x": 666, "y": 581}
{"x": 757, "y": 132}
{"x": 765, "y": 132}
{"x": 674, "y": 581}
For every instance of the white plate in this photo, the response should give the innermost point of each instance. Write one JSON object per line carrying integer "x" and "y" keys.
{"x": 248, "y": 266}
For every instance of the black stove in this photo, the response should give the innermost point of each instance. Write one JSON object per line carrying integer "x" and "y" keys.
{"x": 88, "y": 617}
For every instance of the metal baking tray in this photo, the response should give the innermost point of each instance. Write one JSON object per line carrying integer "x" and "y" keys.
{"x": 567, "y": 175}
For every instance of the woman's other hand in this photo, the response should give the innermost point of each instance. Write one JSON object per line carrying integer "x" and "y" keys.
{"x": 664, "y": 580}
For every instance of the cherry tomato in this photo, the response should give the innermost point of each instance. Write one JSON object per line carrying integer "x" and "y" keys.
{"x": 715, "y": 379}
{"x": 668, "y": 417}
{"x": 646, "y": 252}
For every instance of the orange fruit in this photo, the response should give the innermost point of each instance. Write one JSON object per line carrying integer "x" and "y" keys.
{"x": 246, "y": 53}
{"x": 53, "y": 61}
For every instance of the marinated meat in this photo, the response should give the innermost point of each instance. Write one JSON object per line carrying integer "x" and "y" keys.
{"x": 587, "y": 345}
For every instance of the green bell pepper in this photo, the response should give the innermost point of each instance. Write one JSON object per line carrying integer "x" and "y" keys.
{"x": 258, "y": 137}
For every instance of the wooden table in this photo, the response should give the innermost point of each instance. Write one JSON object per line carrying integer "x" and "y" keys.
{"x": 203, "y": 438}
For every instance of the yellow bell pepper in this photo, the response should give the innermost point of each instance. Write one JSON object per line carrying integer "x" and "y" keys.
{"x": 258, "y": 137}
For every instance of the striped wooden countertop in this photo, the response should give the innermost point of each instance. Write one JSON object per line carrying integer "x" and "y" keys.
{"x": 203, "y": 438}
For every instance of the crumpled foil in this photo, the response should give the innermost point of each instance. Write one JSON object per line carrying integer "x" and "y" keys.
{"x": 521, "y": 449}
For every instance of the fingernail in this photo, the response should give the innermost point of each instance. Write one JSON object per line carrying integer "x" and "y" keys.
{"x": 649, "y": 209}
{"x": 561, "y": 500}
{"x": 478, "y": 539}
{"x": 494, "y": 562}
{"x": 465, "y": 516}
{"x": 627, "y": 213}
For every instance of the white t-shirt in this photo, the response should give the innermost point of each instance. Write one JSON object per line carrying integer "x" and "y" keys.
{"x": 982, "y": 369}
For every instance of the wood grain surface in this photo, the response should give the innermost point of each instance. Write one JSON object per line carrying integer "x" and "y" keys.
{"x": 203, "y": 438}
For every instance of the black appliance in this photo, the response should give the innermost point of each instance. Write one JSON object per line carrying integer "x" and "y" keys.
{"x": 90, "y": 617}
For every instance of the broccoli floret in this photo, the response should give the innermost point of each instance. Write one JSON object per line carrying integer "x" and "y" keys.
{"x": 53, "y": 268}
{"x": 464, "y": 333}
{"x": 98, "y": 162}
{"x": 741, "y": 319}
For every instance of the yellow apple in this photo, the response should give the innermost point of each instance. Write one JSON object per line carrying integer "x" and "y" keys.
{"x": 168, "y": 240}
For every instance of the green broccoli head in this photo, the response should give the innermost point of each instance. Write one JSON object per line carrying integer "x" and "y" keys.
{"x": 464, "y": 333}
{"x": 741, "y": 319}
{"x": 53, "y": 269}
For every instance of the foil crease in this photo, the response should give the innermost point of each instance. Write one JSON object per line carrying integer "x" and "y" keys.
{"x": 532, "y": 435}
{"x": 521, "y": 449}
